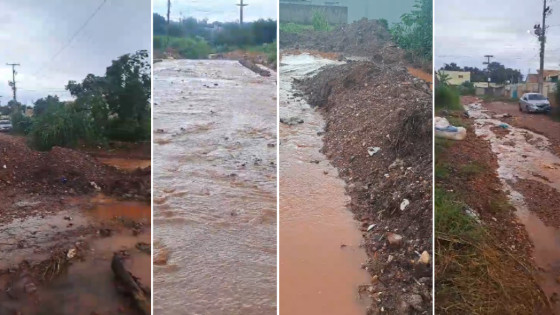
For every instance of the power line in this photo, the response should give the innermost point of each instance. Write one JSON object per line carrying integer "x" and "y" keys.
{"x": 75, "y": 34}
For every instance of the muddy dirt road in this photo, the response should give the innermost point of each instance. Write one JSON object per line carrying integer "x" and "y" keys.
{"x": 319, "y": 240}
{"x": 56, "y": 244}
{"x": 215, "y": 188}
{"x": 529, "y": 169}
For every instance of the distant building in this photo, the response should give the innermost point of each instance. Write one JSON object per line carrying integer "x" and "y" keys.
{"x": 549, "y": 76}
{"x": 389, "y": 10}
{"x": 457, "y": 77}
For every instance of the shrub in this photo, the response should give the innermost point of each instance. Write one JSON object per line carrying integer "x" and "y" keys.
{"x": 447, "y": 97}
{"x": 190, "y": 48}
{"x": 414, "y": 32}
{"x": 319, "y": 21}
{"x": 63, "y": 127}
{"x": 467, "y": 88}
{"x": 21, "y": 124}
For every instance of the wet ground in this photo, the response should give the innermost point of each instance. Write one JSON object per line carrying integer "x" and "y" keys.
{"x": 215, "y": 188}
{"x": 527, "y": 157}
{"x": 319, "y": 240}
{"x": 87, "y": 284}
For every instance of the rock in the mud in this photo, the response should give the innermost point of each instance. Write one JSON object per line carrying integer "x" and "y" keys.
{"x": 395, "y": 240}
{"x": 291, "y": 121}
{"x": 424, "y": 258}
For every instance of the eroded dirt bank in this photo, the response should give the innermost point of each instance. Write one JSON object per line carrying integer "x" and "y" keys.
{"x": 61, "y": 227}
{"x": 215, "y": 188}
{"x": 378, "y": 135}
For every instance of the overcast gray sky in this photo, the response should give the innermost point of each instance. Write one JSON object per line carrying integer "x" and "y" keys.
{"x": 218, "y": 10}
{"x": 465, "y": 31}
{"x": 33, "y": 31}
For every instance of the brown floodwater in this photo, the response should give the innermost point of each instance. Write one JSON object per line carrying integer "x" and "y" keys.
{"x": 88, "y": 285}
{"x": 523, "y": 154}
{"x": 126, "y": 164}
{"x": 214, "y": 188}
{"x": 320, "y": 256}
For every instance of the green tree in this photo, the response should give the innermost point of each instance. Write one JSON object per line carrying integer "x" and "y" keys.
{"x": 414, "y": 32}
{"x": 43, "y": 104}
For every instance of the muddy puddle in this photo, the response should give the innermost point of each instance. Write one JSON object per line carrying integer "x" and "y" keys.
{"x": 523, "y": 154}
{"x": 214, "y": 188}
{"x": 319, "y": 240}
{"x": 87, "y": 285}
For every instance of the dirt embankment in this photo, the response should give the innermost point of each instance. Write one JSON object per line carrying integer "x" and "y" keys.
{"x": 64, "y": 171}
{"x": 364, "y": 38}
{"x": 378, "y": 135}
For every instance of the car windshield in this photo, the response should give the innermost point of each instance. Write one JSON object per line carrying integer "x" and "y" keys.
{"x": 536, "y": 97}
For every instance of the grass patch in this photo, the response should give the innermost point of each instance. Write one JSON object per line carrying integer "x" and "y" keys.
{"x": 268, "y": 49}
{"x": 295, "y": 28}
{"x": 441, "y": 170}
{"x": 472, "y": 168}
{"x": 451, "y": 218}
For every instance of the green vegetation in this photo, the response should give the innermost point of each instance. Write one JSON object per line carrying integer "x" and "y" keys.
{"x": 451, "y": 219}
{"x": 268, "y": 49}
{"x": 320, "y": 22}
{"x": 196, "y": 39}
{"x": 295, "y": 28}
{"x": 467, "y": 88}
{"x": 472, "y": 168}
{"x": 191, "y": 48}
{"x": 414, "y": 32}
{"x": 115, "y": 106}
{"x": 447, "y": 97}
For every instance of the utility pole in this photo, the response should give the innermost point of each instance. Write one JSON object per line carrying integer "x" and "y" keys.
{"x": 13, "y": 82}
{"x": 241, "y": 5}
{"x": 167, "y": 28}
{"x": 540, "y": 31}
{"x": 487, "y": 63}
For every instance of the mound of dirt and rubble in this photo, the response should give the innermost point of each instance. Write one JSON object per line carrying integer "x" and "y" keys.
{"x": 363, "y": 38}
{"x": 65, "y": 171}
{"x": 379, "y": 135}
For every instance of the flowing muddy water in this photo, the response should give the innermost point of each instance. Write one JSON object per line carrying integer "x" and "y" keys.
{"x": 523, "y": 154}
{"x": 214, "y": 188}
{"x": 319, "y": 240}
{"x": 88, "y": 285}
{"x": 125, "y": 164}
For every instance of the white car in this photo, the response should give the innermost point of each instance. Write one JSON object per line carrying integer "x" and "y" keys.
{"x": 534, "y": 103}
{"x": 5, "y": 125}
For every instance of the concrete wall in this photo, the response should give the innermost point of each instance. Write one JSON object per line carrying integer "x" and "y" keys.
{"x": 390, "y": 10}
{"x": 303, "y": 13}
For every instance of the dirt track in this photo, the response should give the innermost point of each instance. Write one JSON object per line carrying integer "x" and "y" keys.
{"x": 529, "y": 169}
{"x": 542, "y": 124}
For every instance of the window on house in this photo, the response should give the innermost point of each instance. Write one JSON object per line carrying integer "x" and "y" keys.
{"x": 460, "y": 76}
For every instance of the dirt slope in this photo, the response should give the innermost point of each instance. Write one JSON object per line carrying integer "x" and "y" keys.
{"x": 64, "y": 171}
{"x": 370, "y": 105}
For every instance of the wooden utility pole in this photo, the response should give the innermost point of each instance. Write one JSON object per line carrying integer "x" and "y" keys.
{"x": 540, "y": 31}
{"x": 13, "y": 82}
{"x": 241, "y": 5}
{"x": 487, "y": 63}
